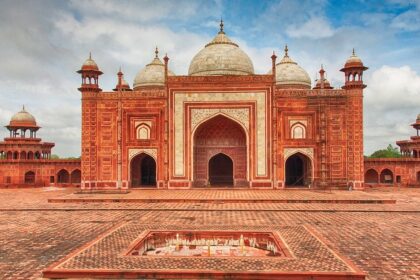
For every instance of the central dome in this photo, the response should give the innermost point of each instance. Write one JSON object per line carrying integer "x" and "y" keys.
{"x": 221, "y": 57}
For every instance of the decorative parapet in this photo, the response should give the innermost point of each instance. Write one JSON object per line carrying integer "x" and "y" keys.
{"x": 310, "y": 92}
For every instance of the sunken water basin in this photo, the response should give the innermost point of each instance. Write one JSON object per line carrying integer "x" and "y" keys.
{"x": 209, "y": 244}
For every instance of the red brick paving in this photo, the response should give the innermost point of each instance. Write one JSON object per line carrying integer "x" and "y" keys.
{"x": 377, "y": 238}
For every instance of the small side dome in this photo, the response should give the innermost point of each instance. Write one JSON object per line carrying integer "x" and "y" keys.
{"x": 90, "y": 64}
{"x": 221, "y": 57}
{"x": 22, "y": 119}
{"x": 290, "y": 74}
{"x": 152, "y": 75}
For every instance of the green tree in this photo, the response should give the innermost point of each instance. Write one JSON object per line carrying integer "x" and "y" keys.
{"x": 53, "y": 156}
{"x": 389, "y": 152}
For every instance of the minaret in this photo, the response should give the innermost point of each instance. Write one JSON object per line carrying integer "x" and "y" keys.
{"x": 90, "y": 88}
{"x": 121, "y": 83}
{"x": 353, "y": 70}
{"x": 90, "y": 76}
{"x": 322, "y": 82}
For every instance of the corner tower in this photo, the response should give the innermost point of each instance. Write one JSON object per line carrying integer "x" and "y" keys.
{"x": 89, "y": 88}
{"x": 353, "y": 71}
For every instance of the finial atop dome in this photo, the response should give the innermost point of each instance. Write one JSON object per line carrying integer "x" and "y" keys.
{"x": 221, "y": 27}
{"x": 23, "y": 107}
{"x": 286, "y": 51}
{"x": 156, "y": 52}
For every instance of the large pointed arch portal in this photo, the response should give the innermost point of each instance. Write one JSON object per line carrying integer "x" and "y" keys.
{"x": 220, "y": 153}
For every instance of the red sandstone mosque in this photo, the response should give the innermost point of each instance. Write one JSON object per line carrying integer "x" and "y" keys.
{"x": 220, "y": 125}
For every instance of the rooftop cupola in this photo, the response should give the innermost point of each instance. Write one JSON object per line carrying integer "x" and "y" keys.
{"x": 416, "y": 125}
{"x": 353, "y": 70}
{"x": 90, "y": 75}
{"x": 21, "y": 122}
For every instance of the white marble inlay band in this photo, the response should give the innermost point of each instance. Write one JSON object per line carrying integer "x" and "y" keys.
{"x": 180, "y": 98}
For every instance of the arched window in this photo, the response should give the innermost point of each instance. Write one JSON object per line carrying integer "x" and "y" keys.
{"x": 30, "y": 155}
{"x": 143, "y": 132}
{"x": 298, "y": 131}
{"x": 23, "y": 155}
{"x": 15, "y": 155}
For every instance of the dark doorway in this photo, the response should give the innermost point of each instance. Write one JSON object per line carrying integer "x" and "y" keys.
{"x": 221, "y": 170}
{"x": 30, "y": 177}
{"x": 143, "y": 171}
{"x": 298, "y": 170}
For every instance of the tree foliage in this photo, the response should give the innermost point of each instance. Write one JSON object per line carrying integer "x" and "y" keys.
{"x": 389, "y": 152}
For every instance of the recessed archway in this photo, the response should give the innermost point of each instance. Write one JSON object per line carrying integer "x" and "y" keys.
{"x": 29, "y": 177}
{"x": 63, "y": 177}
{"x": 220, "y": 135}
{"x": 298, "y": 170}
{"x": 76, "y": 176}
{"x": 371, "y": 176}
{"x": 221, "y": 170}
{"x": 387, "y": 177}
{"x": 418, "y": 177}
{"x": 143, "y": 171}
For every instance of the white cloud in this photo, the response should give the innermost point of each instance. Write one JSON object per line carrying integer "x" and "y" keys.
{"x": 391, "y": 104}
{"x": 313, "y": 28}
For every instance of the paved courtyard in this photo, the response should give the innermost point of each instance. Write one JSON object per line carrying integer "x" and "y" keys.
{"x": 381, "y": 239}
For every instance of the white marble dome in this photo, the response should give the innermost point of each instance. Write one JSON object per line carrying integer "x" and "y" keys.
{"x": 221, "y": 57}
{"x": 152, "y": 75}
{"x": 289, "y": 73}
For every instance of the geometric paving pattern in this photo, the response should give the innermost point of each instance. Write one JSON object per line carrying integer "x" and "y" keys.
{"x": 107, "y": 255}
{"x": 380, "y": 239}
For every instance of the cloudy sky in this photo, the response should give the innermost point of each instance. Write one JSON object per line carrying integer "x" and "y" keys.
{"x": 44, "y": 43}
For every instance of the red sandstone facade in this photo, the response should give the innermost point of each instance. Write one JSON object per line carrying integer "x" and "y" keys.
{"x": 26, "y": 161}
{"x": 403, "y": 171}
{"x": 222, "y": 125}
